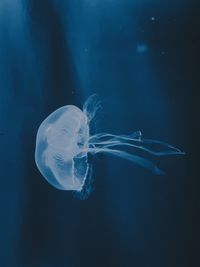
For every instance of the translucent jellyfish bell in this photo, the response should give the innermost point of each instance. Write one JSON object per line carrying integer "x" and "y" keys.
{"x": 63, "y": 142}
{"x": 59, "y": 155}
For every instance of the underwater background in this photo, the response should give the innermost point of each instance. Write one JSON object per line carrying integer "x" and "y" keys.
{"x": 141, "y": 57}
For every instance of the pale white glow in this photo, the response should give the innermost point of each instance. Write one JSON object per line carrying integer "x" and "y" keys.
{"x": 64, "y": 141}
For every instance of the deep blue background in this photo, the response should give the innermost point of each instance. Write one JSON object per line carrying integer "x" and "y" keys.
{"x": 142, "y": 59}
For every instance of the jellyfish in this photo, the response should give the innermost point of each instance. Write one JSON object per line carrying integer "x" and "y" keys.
{"x": 64, "y": 142}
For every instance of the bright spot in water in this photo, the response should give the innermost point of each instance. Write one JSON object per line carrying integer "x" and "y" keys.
{"x": 153, "y": 18}
{"x": 64, "y": 142}
{"x": 142, "y": 48}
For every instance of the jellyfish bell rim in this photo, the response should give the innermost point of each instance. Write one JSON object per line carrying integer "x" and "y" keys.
{"x": 44, "y": 170}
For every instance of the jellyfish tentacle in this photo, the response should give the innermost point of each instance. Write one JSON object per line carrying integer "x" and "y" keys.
{"x": 136, "y": 136}
{"x": 111, "y": 140}
{"x": 171, "y": 151}
{"x": 125, "y": 155}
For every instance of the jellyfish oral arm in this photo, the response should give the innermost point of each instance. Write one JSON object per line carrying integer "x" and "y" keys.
{"x": 105, "y": 140}
{"x": 110, "y": 143}
{"x": 131, "y": 157}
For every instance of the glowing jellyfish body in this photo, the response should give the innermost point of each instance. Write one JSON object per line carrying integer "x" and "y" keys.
{"x": 64, "y": 141}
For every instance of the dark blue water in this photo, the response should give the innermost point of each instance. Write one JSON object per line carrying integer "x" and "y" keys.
{"x": 142, "y": 59}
